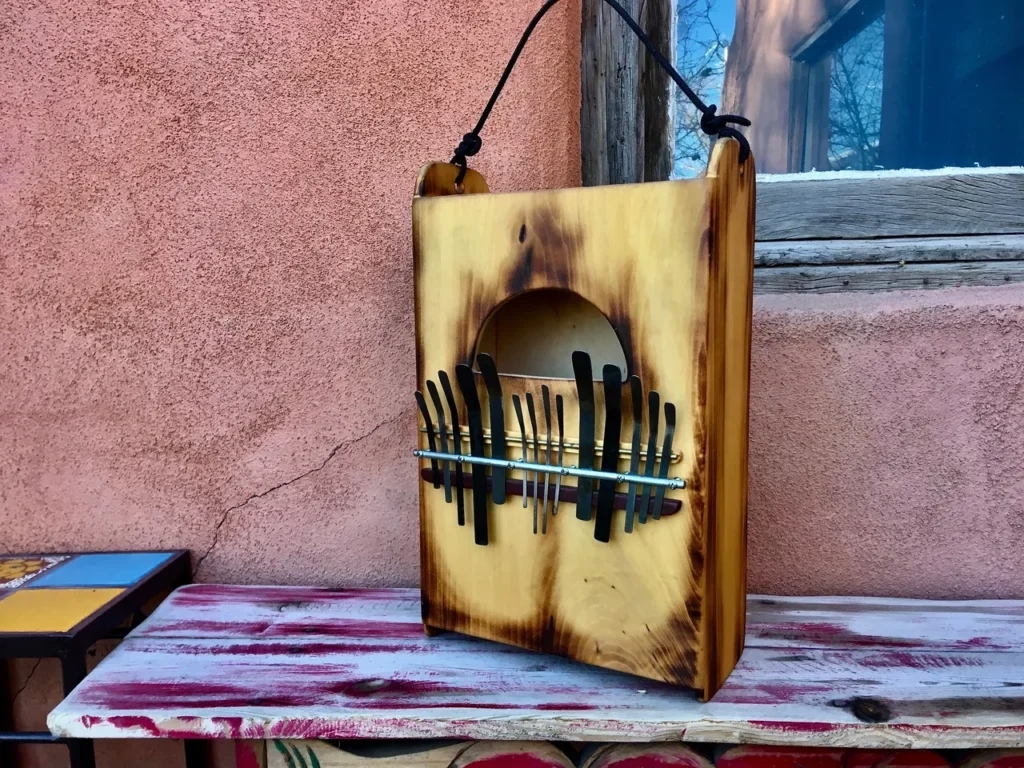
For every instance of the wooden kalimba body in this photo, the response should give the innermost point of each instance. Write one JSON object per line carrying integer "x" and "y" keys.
{"x": 637, "y": 436}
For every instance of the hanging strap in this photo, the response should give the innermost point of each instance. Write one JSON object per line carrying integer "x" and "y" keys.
{"x": 711, "y": 123}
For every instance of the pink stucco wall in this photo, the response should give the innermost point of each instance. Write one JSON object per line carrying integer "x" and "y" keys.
{"x": 887, "y": 444}
{"x": 205, "y": 268}
{"x": 206, "y": 303}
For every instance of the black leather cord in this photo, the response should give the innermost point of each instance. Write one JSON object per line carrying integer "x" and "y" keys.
{"x": 711, "y": 122}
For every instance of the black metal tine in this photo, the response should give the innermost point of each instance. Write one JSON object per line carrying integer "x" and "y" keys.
{"x": 518, "y": 406}
{"x": 453, "y": 411}
{"x": 496, "y": 405}
{"x": 442, "y": 428}
{"x": 560, "y": 415}
{"x": 546, "y": 397}
{"x": 653, "y": 414}
{"x": 536, "y": 455}
{"x": 636, "y": 392}
{"x": 612, "y": 377}
{"x": 464, "y": 375}
{"x": 584, "y": 374}
{"x": 431, "y": 441}
{"x": 666, "y": 458}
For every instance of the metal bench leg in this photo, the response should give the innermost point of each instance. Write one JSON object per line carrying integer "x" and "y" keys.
{"x": 72, "y": 668}
{"x": 196, "y": 753}
{"x": 7, "y": 750}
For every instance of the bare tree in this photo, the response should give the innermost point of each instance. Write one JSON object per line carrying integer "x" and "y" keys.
{"x": 855, "y": 100}
{"x": 701, "y": 49}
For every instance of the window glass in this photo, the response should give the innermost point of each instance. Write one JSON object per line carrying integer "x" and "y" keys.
{"x": 861, "y": 85}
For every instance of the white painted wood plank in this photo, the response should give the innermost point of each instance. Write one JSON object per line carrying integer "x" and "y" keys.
{"x": 254, "y": 612}
{"x": 317, "y": 690}
{"x": 817, "y": 671}
{"x": 215, "y": 610}
{"x": 858, "y": 623}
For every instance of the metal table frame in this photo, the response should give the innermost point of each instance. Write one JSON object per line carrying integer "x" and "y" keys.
{"x": 72, "y": 646}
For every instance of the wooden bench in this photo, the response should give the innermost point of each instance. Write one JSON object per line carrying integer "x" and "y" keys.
{"x": 293, "y": 669}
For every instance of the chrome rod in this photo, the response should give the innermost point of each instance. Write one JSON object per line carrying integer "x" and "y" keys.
{"x": 671, "y": 484}
{"x": 570, "y": 446}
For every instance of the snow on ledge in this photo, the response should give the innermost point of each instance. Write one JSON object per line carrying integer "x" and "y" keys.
{"x": 771, "y": 178}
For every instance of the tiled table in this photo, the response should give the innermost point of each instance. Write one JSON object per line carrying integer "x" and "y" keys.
{"x": 58, "y": 605}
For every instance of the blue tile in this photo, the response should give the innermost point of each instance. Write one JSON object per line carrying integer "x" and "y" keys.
{"x": 117, "y": 569}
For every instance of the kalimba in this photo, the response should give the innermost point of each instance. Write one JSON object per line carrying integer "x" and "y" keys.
{"x": 585, "y": 355}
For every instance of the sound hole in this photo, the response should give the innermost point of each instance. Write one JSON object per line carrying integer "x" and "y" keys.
{"x": 535, "y": 334}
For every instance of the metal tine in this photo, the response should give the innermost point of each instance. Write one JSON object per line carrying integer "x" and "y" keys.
{"x": 612, "y": 379}
{"x": 653, "y": 413}
{"x": 496, "y": 407}
{"x": 583, "y": 372}
{"x": 546, "y": 397}
{"x": 442, "y": 427}
{"x": 464, "y": 377}
{"x": 636, "y": 390}
{"x": 536, "y": 455}
{"x": 431, "y": 440}
{"x": 666, "y": 458}
{"x": 453, "y": 411}
{"x": 518, "y": 407}
{"x": 560, "y": 415}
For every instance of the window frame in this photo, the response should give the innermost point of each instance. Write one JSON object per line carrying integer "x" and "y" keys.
{"x": 810, "y": 73}
{"x": 819, "y": 232}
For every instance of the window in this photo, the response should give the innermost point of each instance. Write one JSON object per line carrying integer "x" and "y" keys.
{"x": 884, "y": 133}
{"x": 856, "y": 85}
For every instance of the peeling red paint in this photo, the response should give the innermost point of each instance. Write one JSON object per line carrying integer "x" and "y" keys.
{"x": 245, "y": 757}
{"x": 514, "y": 760}
{"x": 137, "y": 721}
{"x": 897, "y": 659}
{"x": 770, "y": 693}
{"x": 654, "y": 760}
{"x": 787, "y": 726}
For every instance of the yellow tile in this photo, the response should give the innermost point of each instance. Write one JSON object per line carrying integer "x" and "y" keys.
{"x": 50, "y": 610}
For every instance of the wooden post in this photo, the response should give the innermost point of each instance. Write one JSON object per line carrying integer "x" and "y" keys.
{"x": 625, "y": 130}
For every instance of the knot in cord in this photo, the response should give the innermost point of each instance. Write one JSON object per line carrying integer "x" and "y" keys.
{"x": 711, "y": 123}
{"x": 471, "y": 144}
{"x": 714, "y": 124}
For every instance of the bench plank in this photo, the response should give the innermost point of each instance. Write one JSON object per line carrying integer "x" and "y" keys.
{"x": 253, "y": 663}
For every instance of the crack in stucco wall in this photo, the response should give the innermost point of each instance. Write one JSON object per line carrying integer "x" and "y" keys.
{"x": 334, "y": 452}
{"x": 24, "y": 685}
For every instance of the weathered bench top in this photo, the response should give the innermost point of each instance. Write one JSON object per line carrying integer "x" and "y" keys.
{"x": 282, "y": 662}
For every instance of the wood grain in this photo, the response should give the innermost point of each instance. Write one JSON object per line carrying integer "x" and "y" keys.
{"x": 895, "y": 204}
{"x": 837, "y": 672}
{"x": 668, "y": 264}
{"x": 438, "y": 180}
{"x": 656, "y": 91}
{"x": 625, "y": 123}
{"x": 728, "y": 392}
{"x": 887, "y": 277}
{"x": 787, "y": 253}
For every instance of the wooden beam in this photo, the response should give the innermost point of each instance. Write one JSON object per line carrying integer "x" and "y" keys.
{"x": 909, "y": 250}
{"x": 890, "y": 204}
{"x": 656, "y": 92}
{"x": 625, "y": 130}
{"x": 886, "y": 277}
